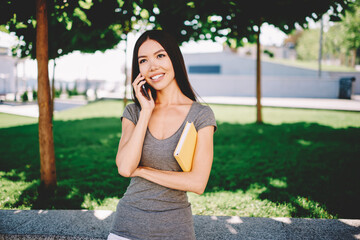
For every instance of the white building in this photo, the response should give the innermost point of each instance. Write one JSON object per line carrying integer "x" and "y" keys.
{"x": 11, "y": 82}
{"x": 228, "y": 74}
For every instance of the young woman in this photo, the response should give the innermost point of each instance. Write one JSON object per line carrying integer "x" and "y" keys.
{"x": 155, "y": 205}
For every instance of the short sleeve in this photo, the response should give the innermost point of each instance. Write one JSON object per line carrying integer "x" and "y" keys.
{"x": 205, "y": 118}
{"x": 131, "y": 112}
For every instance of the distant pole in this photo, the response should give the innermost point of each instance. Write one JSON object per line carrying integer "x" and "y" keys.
{"x": 321, "y": 43}
{"x": 125, "y": 70}
{"x": 53, "y": 91}
{"x": 258, "y": 77}
{"x": 87, "y": 85}
{"x": 16, "y": 80}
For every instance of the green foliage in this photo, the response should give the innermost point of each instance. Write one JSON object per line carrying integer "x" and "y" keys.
{"x": 340, "y": 41}
{"x": 235, "y": 21}
{"x": 73, "y": 25}
{"x": 76, "y": 25}
{"x": 269, "y": 53}
{"x": 307, "y": 48}
{"x": 72, "y": 92}
{"x": 24, "y": 97}
{"x": 58, "y": 92}
{"x": 34, "y": 95}
{"x": 351, "y": 23}
{"x": 302, "y": 163}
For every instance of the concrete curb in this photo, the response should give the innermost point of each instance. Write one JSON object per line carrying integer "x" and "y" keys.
{"x": 84, "y": 224}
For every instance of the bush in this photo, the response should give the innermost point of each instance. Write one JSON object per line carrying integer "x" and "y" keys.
{"x": 58, "y": 92}
{"x": 24, "y": 97}
{"x": 72, "y": 92}
{"x": 271, "y": 54}
{"x": 34, "y": 93}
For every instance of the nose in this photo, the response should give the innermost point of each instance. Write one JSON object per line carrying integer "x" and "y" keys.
{"x": 153, "y": 65}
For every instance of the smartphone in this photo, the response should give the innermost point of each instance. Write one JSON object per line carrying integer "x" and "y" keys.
{"x": 144, "y": 90}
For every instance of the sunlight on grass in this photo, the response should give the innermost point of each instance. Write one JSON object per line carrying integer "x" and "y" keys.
{"x": 247, "y": 114}
{"x": 238, "y": 203}
{"x": 248, "y": 204}
{"x": 105, "y": 108}
{"x": 10, "y": 120}
{"x": 316, "y": 209}
{"x": 304, "y": 142}
{"x": 96, "y": 204}
{"x": 278, "y": 183}
{"x": 12, "y": 185}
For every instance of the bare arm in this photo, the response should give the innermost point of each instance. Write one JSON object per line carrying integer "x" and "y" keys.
{"x": 130, "y": 145}
{"x": 193, "y": 181}
{"x": 132, "y": 139}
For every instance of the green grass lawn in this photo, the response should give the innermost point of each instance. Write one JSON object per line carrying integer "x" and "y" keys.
{"x": 300, "y": 163}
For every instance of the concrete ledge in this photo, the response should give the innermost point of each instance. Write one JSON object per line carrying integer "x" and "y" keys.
{"x": 84, "y": 224}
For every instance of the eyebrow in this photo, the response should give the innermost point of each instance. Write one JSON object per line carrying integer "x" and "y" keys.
{"x": 161, "y": 50}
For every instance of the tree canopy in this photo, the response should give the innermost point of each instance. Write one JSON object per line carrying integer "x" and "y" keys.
{"x": 341, "y": 39}
{"x": 238, "y": 20}
{"x": 85, "y": 25}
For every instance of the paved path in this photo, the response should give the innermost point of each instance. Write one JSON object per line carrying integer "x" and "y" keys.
{"x": 84, "y": 224}
{"x": 32, "y": 110}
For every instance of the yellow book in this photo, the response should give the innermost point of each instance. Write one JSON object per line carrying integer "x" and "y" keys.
{"x": 185, "y": 149}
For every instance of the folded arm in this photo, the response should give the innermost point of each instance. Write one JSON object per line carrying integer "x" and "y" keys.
{"x": 193, "y": 181}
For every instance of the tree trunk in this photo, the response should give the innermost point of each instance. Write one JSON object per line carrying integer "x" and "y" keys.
{"x": 258, "y": 78}
{"x": 342, "y": 59}
{"x": 353, "y": 58}
{"x": 46, "y": 141}
{"x": 53, "y": 92}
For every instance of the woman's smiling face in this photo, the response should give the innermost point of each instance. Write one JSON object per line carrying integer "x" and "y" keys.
{"x": 155, "y": 65}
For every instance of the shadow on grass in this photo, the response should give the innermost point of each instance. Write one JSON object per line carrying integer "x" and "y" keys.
{"x": 297, "y": 164}
{"x": 85, "y": 163}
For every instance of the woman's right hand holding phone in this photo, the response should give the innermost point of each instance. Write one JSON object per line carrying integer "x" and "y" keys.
{"x": 143, "y": 100}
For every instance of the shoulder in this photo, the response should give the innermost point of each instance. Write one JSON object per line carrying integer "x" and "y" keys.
{"x": 202, "y": 108}
{"x": 203, "y": 116}
{"x": 131, "y": 106}
{"x": 131, "y": 112}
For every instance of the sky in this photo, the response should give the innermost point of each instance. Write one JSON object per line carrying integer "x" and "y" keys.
{"x": 110, "y": 64}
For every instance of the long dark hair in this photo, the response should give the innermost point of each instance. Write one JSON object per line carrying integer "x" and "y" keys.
{"x": 170, "y": 45}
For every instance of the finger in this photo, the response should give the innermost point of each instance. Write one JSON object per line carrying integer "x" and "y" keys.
{"x": 139, "y": 91}
{"x": 141, "y": 82}
{"x": 138, "y": 79}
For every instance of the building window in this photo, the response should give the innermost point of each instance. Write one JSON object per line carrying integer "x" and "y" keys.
{"x": 204, "y": 69}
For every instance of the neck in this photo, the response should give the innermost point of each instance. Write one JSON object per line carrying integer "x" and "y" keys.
{"x": 171, "y": 95}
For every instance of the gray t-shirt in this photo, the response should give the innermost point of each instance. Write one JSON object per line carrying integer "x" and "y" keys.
{"x": 148, "y": 210}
